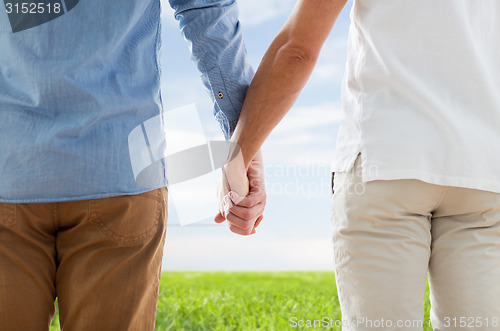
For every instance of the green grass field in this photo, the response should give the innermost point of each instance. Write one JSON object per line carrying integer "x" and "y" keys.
{"x": 246, "y": 300}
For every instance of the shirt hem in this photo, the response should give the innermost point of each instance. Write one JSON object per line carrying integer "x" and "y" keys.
{"x": 435, "y": 179}
{"x": 76, "y": 198}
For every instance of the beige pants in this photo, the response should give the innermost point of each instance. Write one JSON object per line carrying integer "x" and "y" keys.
{"x": 101, "y": 258}
{"x": 388, "y": 234}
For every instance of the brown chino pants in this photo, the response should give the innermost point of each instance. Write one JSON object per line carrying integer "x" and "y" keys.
{"x": 101, "y": 258}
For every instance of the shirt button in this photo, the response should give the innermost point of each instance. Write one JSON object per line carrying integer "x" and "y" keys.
{"x": 220, "y": 95}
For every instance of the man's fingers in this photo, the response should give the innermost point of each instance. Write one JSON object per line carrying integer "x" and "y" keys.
{"x": 219, "y": 218}
{"x": 253, "y": 199}
{"x": 247, "y": 213}
{"x": 235, "y": 197}
{"x": 242, "y": 232}
{"x": 240, "y": 223}
{"x": 257, "y": 223}
{"x": 244, "y": 214}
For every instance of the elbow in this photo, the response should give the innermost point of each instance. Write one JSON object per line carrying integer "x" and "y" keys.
{"x": 298, "y": 54}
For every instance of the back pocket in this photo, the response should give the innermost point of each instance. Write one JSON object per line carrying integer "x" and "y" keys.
{"x": 130, "y": 218}
{"x": 7, "y": 215}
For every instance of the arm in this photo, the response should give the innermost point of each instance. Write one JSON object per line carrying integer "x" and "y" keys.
{"x": 284, "y": 71}
{"x": 213, "y": 32}
{"x": 212, "y": 29}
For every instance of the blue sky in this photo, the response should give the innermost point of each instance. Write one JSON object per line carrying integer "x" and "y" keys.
{"x": 295, "y": 232}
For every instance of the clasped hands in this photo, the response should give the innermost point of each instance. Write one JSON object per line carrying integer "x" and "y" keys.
{"x": 242, "y": 195}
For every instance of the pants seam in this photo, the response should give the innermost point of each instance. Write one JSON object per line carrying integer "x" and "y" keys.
{"x": 55, "y": 216}
{"x": 441, "y": 198}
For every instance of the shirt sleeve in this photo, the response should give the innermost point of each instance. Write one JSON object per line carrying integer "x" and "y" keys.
{"x": 213, "y": 31}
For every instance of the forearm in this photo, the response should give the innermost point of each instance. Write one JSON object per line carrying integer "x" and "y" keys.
{"x": 284, "y": 71}
{"x": 277, "y": 84}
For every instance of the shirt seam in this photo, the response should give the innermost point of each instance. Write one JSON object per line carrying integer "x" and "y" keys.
{"x": 360, "y": 61}
{"x": 218, "y": 114}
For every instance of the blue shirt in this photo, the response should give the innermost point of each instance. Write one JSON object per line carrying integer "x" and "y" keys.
{"x": 75, "y": 83}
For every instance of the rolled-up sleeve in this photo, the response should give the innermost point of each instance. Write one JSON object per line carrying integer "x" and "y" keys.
{"x": 213, "y": 31}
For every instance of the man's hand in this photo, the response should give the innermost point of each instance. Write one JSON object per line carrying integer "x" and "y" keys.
{"x": 244, "y": 214}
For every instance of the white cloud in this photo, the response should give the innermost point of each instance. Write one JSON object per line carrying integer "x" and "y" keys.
{"x": 213, "y": 251}
{"x": 252, "y": 12}
{"x": 255, "y": 12}
{"x": 325, "y": 73}
{"x": 306, "y": 135}
{"x": 331, "y": 63}
{"x": 305, "y": 153}
{"x": 309, "y": 118}
{"x": 167, "y": 14}
{"x": 318, "y": 156}
{"x": 199, "y": 192}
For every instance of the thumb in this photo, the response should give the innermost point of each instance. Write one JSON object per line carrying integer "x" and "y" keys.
{"x": 235, "y": 197}
{"x": 257, "y": 222}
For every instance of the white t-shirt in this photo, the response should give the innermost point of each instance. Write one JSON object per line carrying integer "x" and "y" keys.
{"x": 421, "y": 94}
